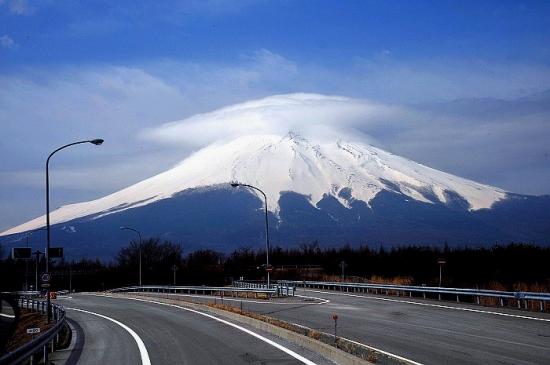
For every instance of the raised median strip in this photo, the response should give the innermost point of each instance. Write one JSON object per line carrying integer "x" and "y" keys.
{"x": 342, "y": 351}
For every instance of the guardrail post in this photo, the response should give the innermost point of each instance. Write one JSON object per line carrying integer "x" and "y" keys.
{"x": 501, "y": 302}
{"x": 541, "y": 306}
{"x": 457, "y": 300}
{"x": 45, "y": 355}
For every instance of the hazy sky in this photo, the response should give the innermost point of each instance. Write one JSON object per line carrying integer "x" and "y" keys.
{"x": 463, "y": 85}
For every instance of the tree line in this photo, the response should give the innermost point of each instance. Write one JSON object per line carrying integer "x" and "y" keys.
{"x": 505, "y": 267}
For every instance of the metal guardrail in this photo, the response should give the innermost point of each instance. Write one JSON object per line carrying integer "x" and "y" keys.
{"x": 42, "y": 345}
{"x": 518, "y": 296}
{"x": 284, "y": 290}
{"x": 208, "y": 290}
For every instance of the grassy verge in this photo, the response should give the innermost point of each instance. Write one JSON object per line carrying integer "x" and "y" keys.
{"x": 28, "y": 319}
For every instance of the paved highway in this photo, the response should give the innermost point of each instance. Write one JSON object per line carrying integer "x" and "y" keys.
{"x": 428, "y": 332}
{"x": 109, "y": 331}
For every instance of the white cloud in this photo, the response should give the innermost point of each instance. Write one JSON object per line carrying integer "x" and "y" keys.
{"x": 7, "y": 42}
{"x": 120, "y": 103}
{"x": 20, "y": 7}
{"x": 307, "y": 114}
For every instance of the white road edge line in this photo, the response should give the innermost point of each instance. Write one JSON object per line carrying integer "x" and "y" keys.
{"x": 436, "y": 306}
{"x": 240, "y": 328}
{"x": 389, "y": 354}
{"x": 141, "y": 346}
{"x": 7, "y": 315}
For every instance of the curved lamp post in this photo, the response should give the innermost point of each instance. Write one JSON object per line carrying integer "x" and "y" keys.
{"x": 267, "y": 268}
{"x": 139, "y": 234}
{"x": 97, "y": 142}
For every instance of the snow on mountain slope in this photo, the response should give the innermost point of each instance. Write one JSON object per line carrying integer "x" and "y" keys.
{"x": 288, "y": 163}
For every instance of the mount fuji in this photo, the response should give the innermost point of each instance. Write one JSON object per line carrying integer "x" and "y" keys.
{"x": 334, "y": 192}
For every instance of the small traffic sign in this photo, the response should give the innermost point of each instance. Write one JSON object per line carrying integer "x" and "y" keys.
{"x": 45, "y": 277}
{"x": 32, "y": 330}
{"x": 45, "y": 285}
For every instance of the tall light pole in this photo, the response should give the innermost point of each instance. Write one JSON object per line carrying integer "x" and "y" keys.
{"x": 267, "y": 268}
{"x": 97, "y": 142}
{"x": 139, "y": 235}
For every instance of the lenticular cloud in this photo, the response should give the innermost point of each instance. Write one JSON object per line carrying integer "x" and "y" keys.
{"x": 307, "y": 114}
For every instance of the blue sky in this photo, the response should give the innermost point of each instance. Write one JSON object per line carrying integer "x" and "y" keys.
{"x": 112, "y": 69}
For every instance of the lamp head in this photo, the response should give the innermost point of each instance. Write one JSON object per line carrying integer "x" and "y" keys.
{"x": 235, "y": 184}
{"x": 97, "y": 142}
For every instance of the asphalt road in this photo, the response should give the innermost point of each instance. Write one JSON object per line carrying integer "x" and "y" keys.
{"x": 428, "y": 332}
{"x": 170, "y": 336}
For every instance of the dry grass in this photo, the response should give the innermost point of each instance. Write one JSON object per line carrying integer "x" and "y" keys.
{"x": 374, "y": 279}
{"x": 27, "y": 319}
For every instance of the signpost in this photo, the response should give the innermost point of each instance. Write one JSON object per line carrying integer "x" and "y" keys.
{"x": 45, "y": 278}
{"x": 335, "y": 318}
{"x": 33, "y": 330}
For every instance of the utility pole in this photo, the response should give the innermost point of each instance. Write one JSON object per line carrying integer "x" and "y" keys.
{"x": 36, "y": 262}
{"x": 174, "y": 269}
{"x": 441, "y": 262}
{"x": 343, "y": 266}
{"x": 70, "y": 278}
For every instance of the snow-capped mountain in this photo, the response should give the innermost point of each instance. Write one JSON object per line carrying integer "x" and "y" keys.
{"x": 323, "y": 184}
{"x": 347, "y": 171}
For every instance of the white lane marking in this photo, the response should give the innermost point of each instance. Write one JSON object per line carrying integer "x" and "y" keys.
{"x": 321, "y": 300}
{"x": 409, "y": 361}
{"x": 7, "y": 315}
{"x": 436, "y": 306}
{"x": 141, "y": 346}
{"x": 254, "y": 334}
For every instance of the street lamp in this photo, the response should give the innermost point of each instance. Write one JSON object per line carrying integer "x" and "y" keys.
{"x": 139, "y": 234}
{"x": 97, "y": 142}
{"x": 235, "y": 185}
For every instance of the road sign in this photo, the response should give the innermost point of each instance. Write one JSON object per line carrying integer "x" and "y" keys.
{"x": 55, "y": 252}
{"x": 45, "y": 277}
{"x": 45, "y": 285}
{"x": 33, "y": 330}
{"x": 21, "y": 253}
